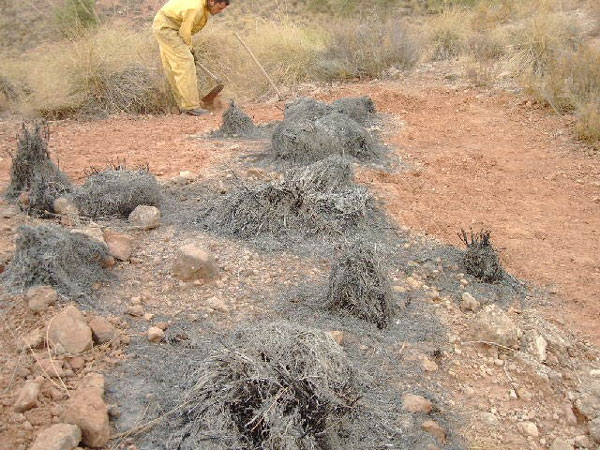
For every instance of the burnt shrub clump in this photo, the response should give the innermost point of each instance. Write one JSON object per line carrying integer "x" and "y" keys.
{"x": 319, "y": 200}
{"x": 273, "y": 386}
{"x": 481, "y": 259}
{"x": 358, "y": 285}
{"x": 117, "y": 191}
{"x": 34, "y": 173}
{"x": 50, "y": 255}
{"x": 236, "y": 123}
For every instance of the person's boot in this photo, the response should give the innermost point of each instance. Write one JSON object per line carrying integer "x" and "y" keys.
{"x": 195, "y": 111}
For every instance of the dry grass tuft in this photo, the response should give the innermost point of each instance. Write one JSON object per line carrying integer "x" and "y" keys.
{"x": 448, "y": 35}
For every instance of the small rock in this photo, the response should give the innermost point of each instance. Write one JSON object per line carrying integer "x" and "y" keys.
{"x": 338, "y": 336}
{"x": 135, "y": 310}
{"x": 155, "y": 334}
{"x": 594, "y": 429}
{"x": 583, "y": 441}
{"x": 27, "y": 397}
{"x": 529, "y": 429}
{"x": 77, "y": 363}
{"x": 40, "y": 298}
{"x": 415, "y": 403}
{"x": 70, "y": 330}
{"x": 193, "y": 263}
{"x": 61, "y": 436}
{"x": 469, "y": 303}
{"x": 91, "y": 231}
{"x": 489, "y": 419}
{"x": 145, "y": 217}
{"x": 52, "y": 367}
{"x": 94, "y": 380}
{"x": 34, "y": 339}
{"x": 433, "y": 428}
{"x": 162, "y": 325}
{"x": 429, "y": 365}
{"x": 413, "y": 283}
{"x": 102, "y": 330}
{"x": 560, "y": 444}
{"x": 119, "y": 245}
{"x": 493, "y": 325}
{"x": 187, "y": 175}
{"x": 65, "y": 207}
{"x": 87, "y": 410}
{"x": 114, "y": 411}
{"x": 217, "y": 303}
{"x": 24, "y": 199}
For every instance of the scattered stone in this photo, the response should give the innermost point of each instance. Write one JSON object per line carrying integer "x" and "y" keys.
{"x": 91, "y": 231}
{"x": 338, "y": 336}
{"x": 217, "y": 303}
{"x": 429, "y": 365}
{"x": 537, "y": 348}
{"x": 61, "y": 436}
{"x": 415, "y": 404}
{"x": 529, "y": 429}
{"x": 469, "y": 303}
{"x": 40, "y": 298}
{"x": 70, "y": 331}
{"x": 155, "y": 334}
{"x": 67, "y": 209}
{"x": 145, "y": 217}
{"x": 193, "y": 263}
{"x": 162, "y": 325}
{"x": 27, "y": 397}
{"x": 87, "y": 410}
{"x": 34, "y": 339}
{"x": 135, "y": 310}
{"x": 583, "y": 441}
{"x": 433, "y": 428}
{"x": 39, "y": 416}
{"x": 559, "y": 444}
{"x": 119, "y": 245}
{"x": 102, "y": 330}
{"x": 489, "y": 419}
{"x": 493, "y": 325}
{"x": 95, "y": 381}
{"x": 77, "y": 363}
{"x": 114, "y": 411}
{"x": 52, "y": 367}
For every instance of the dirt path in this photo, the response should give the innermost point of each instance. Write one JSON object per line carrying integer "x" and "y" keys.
{"x": 478, "y": 160}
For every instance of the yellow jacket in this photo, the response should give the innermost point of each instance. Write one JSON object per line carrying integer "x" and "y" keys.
{"x": 186, "y": 16}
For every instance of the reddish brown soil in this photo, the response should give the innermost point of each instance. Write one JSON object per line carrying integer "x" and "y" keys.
{"x": 476, "y": 159}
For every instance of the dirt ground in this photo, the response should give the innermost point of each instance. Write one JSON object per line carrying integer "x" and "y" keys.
{"x": 477, "y": 158}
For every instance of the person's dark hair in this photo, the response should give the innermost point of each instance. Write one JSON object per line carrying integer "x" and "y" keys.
{"x": 223, "y": 1}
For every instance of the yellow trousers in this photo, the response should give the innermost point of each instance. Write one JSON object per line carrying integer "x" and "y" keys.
{"x": 178, "y": 62}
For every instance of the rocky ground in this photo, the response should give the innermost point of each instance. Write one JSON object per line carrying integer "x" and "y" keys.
{"x": 466, "y": 364}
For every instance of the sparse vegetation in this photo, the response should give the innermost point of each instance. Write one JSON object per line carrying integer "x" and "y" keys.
{"x": 546, "y": 44}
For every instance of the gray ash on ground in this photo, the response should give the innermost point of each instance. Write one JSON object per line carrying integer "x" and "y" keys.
{"x": 359, "y": 285}
{"x": 306, "y": 109}
{"x": 34, "y": 173}
{"x": 117, "y": 191}
{"x": 292, "y": 208}
{"x": 481, "y": 259}
{"x": 361, "y": 109}
{"x": 49, "y": 255}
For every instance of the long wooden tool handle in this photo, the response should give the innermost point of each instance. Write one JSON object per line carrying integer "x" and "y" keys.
{"x": 210, "y": 74}
{"x": 259, "y": 65}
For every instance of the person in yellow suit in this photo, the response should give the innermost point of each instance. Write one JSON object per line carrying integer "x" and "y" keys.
{"x": 173, "y": 28}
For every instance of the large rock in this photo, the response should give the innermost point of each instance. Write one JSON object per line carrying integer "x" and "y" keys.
{"x": 67, "y": 209}
{"x": 27, "y": 396}
{"x": 40, "y": 298}
{"x": 492, "y": 324}
{"x": 102, "y": 330}
{"x": 194, "y": 263}
{"x": 61, "y": 436}
{"x": 119, "y": 245}
{"x": 145, "y": 217}
{"x": 69, "y": 332}
{"x": 87, "y": 410}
